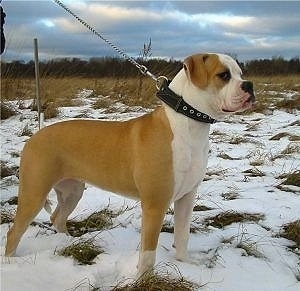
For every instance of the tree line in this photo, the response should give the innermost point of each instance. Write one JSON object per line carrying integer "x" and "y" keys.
{"x": 116, "y": 67}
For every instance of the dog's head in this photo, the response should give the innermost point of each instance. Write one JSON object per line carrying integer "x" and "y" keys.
{"x": 215, "y": 85}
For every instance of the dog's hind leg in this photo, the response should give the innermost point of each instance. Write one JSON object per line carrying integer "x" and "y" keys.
{"x": 69, "y": 192}
{"x": 31, "y": 199}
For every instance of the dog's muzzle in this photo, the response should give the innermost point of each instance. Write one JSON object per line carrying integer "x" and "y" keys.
{"x": 247, "y": 87}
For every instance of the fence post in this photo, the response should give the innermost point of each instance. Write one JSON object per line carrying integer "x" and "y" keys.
{"x": 37, "y": 82}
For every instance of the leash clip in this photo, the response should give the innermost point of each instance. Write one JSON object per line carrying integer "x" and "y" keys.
{"x": 160, "y": 81}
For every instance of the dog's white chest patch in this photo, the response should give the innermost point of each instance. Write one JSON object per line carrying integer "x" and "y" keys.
{"x": 190, "y": 152}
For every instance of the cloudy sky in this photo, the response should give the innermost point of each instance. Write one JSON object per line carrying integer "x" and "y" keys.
{"x": 247, "y": 29}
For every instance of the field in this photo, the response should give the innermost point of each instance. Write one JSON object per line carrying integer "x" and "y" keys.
{"x": 245, "y": 232}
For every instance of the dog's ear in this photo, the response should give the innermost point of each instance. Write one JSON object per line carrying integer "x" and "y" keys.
{"x": 196, "y": 69}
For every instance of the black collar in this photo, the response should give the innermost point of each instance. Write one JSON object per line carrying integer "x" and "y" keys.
{"x": 179, "y": 105}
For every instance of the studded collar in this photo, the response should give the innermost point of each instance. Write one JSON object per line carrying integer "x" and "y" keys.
{"x": 177, "y": 103}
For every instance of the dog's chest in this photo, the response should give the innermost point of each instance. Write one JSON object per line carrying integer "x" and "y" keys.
{"x": 190, "y": 152}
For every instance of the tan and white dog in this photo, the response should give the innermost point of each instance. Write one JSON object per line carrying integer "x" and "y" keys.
{"x": 158, "y": 158}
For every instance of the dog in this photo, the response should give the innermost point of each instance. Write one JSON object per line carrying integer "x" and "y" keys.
{"x": 158, "y": 158}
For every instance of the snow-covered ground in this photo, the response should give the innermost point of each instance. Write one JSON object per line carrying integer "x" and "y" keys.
{"x": 241, "y": 256}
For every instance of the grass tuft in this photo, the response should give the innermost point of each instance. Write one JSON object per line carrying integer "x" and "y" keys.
{"x": 230, "y": 195}
{"x": 51, "y": 110}
{"x": 169, "y": 227}
{"x": 161, "y": 279}
{"x": 291, "y": 231}
{"x": 291, "y": 137}
{"x": 102, "y": 102}
{"x": 26, "y": 131}
{"x": 11, "y": 201}
{"x": 239, "y": 140}
{"x": 289, "y": 104}
{"x": 84, "y": 252}
{"x": 254, "y": 172}
{"x": 225, "y": 156}
{"x": 291, "y": 178}
{"x": 6, "y": 216}
{"x": 226, "y": 218}
{"x": 7, "y": 111}
{"x": 201, "y": 208}
{"x": 95, "y": 222}
{"x": 250, "y": 249}
{"x": 6, "y": 170}
{"x": 292, "y": 148}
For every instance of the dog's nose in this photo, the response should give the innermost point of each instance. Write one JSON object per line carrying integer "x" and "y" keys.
{"x": 247, "y": 86}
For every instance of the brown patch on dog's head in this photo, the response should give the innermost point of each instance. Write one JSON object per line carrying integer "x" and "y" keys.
{"x": 205, "y": 69}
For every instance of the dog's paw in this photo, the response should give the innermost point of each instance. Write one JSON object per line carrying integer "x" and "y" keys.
{"x": 182, "y": 257}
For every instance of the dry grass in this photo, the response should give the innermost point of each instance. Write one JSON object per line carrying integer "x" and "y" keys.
{"x": 97, "y": 221}
{"x": 230, "y": 195}
{"x": 168, "y": 227}
{"x": 239, "y": 140}
{"x": 292, "y": 148}
{"x": 6, "y": 216}
{"x": 250, "y": 249}
{"x": 11, "y": 201}
{"x": 201, "y": 208}
{"x": 226, "y": 218}
{"x": 6, "y": 170}
{"x": 51, "y": 110}
{"x": 292, "y": 178}
{"x": 254, "y": 172}
{"x": 84, "y": 252}
{"x": 225, "y": 156}
{"x": 161, "y": 279}
{"x": 291, "y": 137}
{"x": 58, "y": 89}
{"x": 291, "y": 231}
{"x": 266, "y": 86}
{"x": 7, "y": 110}
{"x": 26, "y": 131}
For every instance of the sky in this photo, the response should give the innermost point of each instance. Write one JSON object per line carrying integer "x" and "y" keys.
{"x": 246, "y": 29}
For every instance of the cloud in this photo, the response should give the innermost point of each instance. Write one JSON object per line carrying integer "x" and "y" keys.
{"x": 177, "y": 28}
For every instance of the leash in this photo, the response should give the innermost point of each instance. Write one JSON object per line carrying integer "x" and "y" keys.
{"x": 162, "y": 83}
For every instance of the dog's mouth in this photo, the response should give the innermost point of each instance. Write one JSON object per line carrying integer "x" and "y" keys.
{"x": 227, "y": 111}
{"x": 244, "y": 104}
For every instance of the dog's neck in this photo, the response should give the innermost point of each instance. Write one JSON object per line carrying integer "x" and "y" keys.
{"x": 182, "y": 86}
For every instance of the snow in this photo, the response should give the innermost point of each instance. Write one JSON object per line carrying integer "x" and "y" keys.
{"x": 217, "y": 260}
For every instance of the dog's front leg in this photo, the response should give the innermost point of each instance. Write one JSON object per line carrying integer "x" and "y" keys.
{"x": 183, "y": 209}
{"x": 152, "y": 219}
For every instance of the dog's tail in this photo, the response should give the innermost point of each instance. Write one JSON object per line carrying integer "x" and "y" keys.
{"x": 47, "y": 206}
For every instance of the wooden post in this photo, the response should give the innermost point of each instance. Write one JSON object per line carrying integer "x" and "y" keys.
{"x": 37, "y": 81}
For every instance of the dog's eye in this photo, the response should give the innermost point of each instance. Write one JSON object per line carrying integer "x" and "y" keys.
{"x": 225, "y": 76}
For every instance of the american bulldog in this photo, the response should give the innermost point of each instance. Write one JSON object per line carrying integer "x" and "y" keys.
{"x": 158, "y": 158}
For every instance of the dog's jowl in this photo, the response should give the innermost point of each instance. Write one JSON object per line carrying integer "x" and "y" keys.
{"x": 159, "y": 158}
